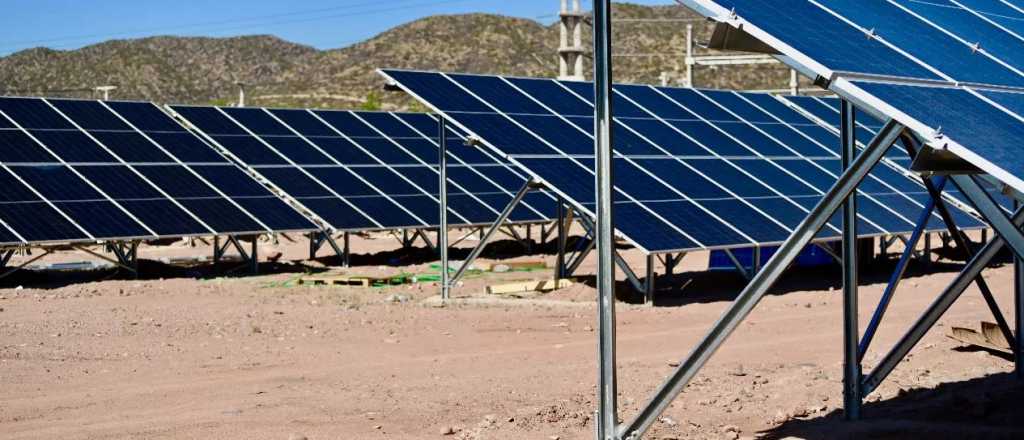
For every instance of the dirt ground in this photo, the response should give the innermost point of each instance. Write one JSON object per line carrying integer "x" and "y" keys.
{"x": 185, "y": 353}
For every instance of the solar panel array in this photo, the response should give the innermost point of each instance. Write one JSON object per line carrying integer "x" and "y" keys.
{"x": 951, "y": 70}
{"x": 693, "y": 169}
{"x": 84, "y": 171}
{"x": 367, "y": 170}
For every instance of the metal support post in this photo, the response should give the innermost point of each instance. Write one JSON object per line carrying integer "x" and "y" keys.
{"x": 442, "y": 232}
{"x": 347, "y": 257}
{"x": 927, "y": 255}
{"x": 757, "y": 260}
{"x": 254, "y": 258}
{"x": 649, "y": 284}
{"x": 5, "y": 258}
{"x": 218, "y": 251}
{"x": 560, "y": 242}
{"x": 852, "y": 397}
{"x": 314, "y": 244}
{"x": 970, "y": 272}
{"x": 608, "y": 421}
{"x": 763, "y": 280}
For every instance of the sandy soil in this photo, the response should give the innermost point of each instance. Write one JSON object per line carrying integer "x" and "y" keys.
{"x": 194, "y": 355}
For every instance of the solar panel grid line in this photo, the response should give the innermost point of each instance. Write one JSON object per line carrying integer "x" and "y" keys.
{"x": 86, "y": 180}
{"x": 291, "y": 162}
{"x": 910, "y": 175}
{"x": 382, "y": 163}
{"x": 638, "y": 166}
{"x": 78, "y": 174}
{"x": 588, "y": 169}
{"x": 732, "y": 163}
{"x": 975, "y": 46}
{"x": 475, "y": 167}
{"x": 564, "y": 196}
{"x": 821, "y": 191}
{"x": 178, "y": 162}
{"x": 1018, "y": 8}
{"x": 688, "y": 166}
{"x": 631, "y": 161}
{"x": 987, "y": 19}
{"x": 34, "y": 190}
{"x": 15, "y": 234}
{"x": 429, "y": 166}
{"x": 872, "y": 177}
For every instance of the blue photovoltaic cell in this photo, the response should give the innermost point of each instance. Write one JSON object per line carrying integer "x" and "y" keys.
{"x": 743, "y": 168}
{"x": 830, "y": 41}
{"x": 972, "y": 28}
{"x": 931, "y": 46}
{"x": 19, "y": 147}
{"x": 85, "y": 161}
{"x": 382, "y": 164}
{"x": 984, "y": 129}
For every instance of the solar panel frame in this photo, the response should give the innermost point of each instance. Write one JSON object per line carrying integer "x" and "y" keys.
{"x": 533, "y": 157}
{"x": 404, "y": 166}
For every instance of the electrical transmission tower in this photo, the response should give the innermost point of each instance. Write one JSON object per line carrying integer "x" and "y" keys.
{"x": 571, "y": 53}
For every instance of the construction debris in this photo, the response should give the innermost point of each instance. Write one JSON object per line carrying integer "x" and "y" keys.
{"x": 528, "y": 286}
{"x": 990, "y": 337}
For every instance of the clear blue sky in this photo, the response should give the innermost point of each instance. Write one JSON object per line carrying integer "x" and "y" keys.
{"x": 69, "y": 24}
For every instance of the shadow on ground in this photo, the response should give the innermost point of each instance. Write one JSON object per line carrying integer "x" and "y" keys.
{"x": 984, "y": 408}
{"x": 151, "y": 269}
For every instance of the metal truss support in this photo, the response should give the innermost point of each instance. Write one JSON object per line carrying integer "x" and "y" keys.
{"x": 852, "y": 397}
{"x": 583, "y": 249}
{"x": 317, "y": 240}
{"x": 7, "y": 259}
{"x": 898, "y": 272}
{"x": 736, "y": 263}
{"x": 968, "y": 274}
{"x": 1004, "y": 227}
{"x": 463, "y": 238}
{"x": 250, "y": 259}
{"x": 127, "y": 256}
{"x": 790, "y": 249}
{"x": 502, "y": 218}
{"x": 670, "y": 261}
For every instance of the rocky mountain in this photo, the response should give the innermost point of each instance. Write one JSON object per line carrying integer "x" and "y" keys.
{"x": 193, "y": 70}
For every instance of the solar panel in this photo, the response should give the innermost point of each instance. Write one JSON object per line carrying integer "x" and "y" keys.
{"x": 950, "y": 70}
{"x": 694, "y": 169}
{"x": 76, "y": 171}
{"x": 366, "y": 170}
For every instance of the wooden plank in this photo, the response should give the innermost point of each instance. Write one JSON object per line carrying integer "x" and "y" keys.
{"x": 528, "y": 286}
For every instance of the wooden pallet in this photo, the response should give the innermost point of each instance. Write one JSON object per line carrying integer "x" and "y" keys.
{"x": 352, "y": 280}
{"x": 528, "y": 286}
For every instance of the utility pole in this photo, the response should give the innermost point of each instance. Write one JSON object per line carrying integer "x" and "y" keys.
{"x": 571, "y": 54}
{"x": 106, "y": 91}
{"x": 241, "y": 94}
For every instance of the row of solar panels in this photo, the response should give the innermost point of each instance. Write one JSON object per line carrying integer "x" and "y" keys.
{"x": 82, "y": 171}
{"x": 693, "y": 169}
{"x": 950, "y": 70}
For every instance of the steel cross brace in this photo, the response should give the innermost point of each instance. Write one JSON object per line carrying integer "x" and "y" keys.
{"x": 12, "y": 270}
{"x": 317, "y": 240}
{"x": 251, "y": 258}
{"x": 762, "y": 281}
{"x": 447, "y": 284}
{"x": 5, "y": 257}
{"x": 970, "y": 272}
{"x": 647, "y": 287}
